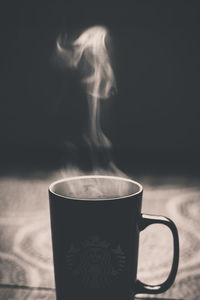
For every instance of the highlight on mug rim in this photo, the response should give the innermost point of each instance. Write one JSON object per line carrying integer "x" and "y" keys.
{"x": 68, "y": 179}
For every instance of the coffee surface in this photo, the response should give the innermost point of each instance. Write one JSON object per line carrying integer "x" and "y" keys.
{"x": 95, "y": 188}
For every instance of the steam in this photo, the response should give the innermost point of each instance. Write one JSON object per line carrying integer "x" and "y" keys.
{"x": 91, "y": 46}
{"x": 88, "y": 54}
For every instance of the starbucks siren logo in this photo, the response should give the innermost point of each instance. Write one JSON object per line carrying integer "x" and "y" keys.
{"x": 94, "y": 262}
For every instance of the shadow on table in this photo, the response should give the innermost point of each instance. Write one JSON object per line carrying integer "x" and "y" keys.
{"x": 34, "y": 292}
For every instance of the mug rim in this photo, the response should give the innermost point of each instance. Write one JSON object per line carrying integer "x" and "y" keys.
{"x": 53, "y": 184}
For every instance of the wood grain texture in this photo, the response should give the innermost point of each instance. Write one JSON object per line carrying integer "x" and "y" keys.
{"x": 25, "y": 240}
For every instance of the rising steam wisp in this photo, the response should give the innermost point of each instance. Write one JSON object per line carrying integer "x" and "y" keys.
{"x": 88, "y": 54}
{"x": 98, "y": 77}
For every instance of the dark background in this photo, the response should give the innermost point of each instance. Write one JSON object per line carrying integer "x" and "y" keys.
{"x": 152, "y": 121}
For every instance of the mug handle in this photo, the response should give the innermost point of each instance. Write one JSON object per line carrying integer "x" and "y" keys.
{"x": 145, "y": 221}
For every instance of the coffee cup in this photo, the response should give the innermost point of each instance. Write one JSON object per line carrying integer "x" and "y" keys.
{"x": 96, "y": 221}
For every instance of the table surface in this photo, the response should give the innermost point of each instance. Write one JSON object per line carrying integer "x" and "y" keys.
{"x": 26, "y": 268}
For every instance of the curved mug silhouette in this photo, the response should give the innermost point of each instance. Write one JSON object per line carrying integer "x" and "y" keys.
{"x": 95, "y": 222}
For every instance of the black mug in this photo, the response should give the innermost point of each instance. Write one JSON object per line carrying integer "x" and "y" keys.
{"x": 95, "y": 223}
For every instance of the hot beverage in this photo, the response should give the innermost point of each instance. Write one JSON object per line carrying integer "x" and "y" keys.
{"x": 95, "y": 187}
{"x": 95, "y": 222}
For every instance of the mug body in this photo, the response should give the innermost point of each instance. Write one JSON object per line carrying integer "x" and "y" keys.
{"x": 95, "y": 238}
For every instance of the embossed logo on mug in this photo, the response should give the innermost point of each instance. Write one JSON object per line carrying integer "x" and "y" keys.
{"x": 94, "y": 262}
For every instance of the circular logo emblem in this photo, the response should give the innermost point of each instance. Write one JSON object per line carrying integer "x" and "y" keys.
{"x": 94, "y": 262}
